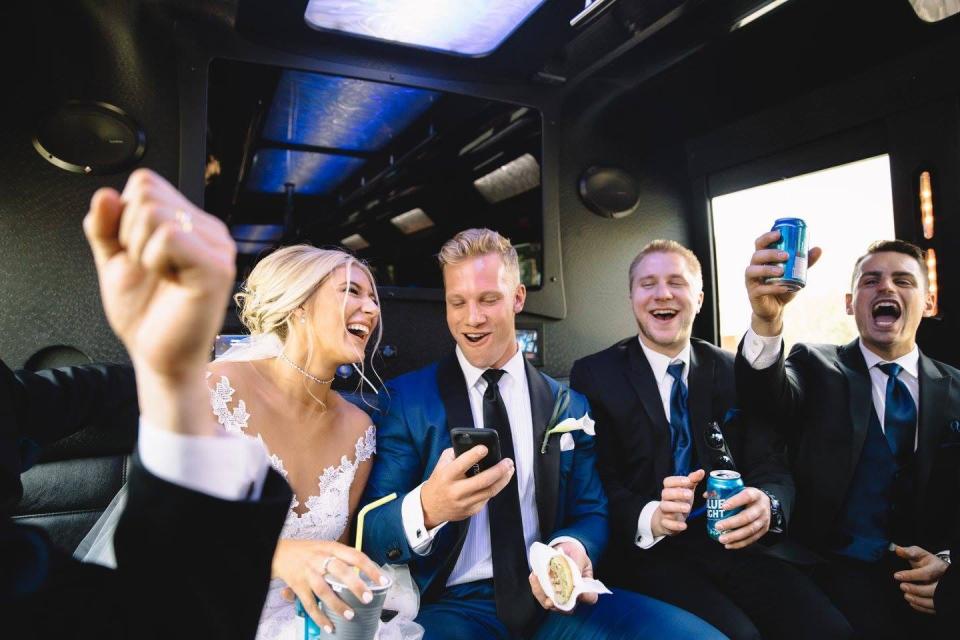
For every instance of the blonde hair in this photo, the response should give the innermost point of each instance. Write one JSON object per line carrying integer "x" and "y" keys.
{"x": 667, "y": 246}
{"x": 283, "y": 281}
{"x": 471, "y": 243}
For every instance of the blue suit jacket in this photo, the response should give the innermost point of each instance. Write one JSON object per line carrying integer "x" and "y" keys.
{"x": 413, "y": 430}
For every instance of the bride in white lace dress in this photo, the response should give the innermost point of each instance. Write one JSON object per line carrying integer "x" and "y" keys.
{"x": 322, "y": 306}
{"x": 308, "y": 311}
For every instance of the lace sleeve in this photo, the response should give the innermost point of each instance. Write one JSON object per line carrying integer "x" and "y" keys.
{"x": 366, "y": 445}
{"x": 233, "y": 420}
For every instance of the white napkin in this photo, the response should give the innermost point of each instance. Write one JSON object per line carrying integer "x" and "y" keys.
{"x": 540, "y": 555}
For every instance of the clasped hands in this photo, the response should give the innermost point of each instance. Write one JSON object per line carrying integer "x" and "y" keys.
{"x": 741, "y": 530}
{"x": 449, "y": 495}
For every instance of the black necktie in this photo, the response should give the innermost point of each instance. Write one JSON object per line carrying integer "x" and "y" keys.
{"x": 679, "y": 422}
{"x": 899, "y": 413}
{"x": 516, "y": 606}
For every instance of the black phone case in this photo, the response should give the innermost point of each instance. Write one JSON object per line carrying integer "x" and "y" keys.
{"x": 465, "y": 439}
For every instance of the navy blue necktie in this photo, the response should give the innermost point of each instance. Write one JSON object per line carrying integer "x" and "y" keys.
{"x": 899, "y": 413}
{"x": 679, "y": 421}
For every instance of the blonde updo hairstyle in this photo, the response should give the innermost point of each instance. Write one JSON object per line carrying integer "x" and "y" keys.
{"x": 283, "y": 282}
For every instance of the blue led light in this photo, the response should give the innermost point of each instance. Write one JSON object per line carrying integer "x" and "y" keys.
{"x": 468, "y": 27}
{"x": 310, "y": 173}
{"x": 341, "y": 113}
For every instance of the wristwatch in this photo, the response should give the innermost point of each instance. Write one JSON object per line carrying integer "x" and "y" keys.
{"x": 777, "y": 521}
{"x": 945, "y": 556}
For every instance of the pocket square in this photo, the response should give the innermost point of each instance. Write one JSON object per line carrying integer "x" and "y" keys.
{"x": 567, "y": 443}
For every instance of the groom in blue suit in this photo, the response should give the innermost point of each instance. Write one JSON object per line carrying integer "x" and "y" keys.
{"x": 466, "y": 538}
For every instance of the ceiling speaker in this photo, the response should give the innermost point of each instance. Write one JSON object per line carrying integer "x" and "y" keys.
{"x": 609, "y": 192}
{"x": 90, "y": 137}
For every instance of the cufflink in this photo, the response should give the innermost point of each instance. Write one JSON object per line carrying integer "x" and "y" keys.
{"x": 419, "y": 533}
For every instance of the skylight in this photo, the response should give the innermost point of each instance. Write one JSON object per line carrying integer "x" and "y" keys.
{"x": 467, "y": 27}
{"x": 341, "y": 113}
{"x": 310, "y": 173}
{"x": 511, "y": 179}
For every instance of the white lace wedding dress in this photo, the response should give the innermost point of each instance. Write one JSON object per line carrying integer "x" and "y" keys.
{"x": 327, "y": 514}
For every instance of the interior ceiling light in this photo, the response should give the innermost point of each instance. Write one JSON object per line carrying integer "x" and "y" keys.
{"x": 355, "y": 242}
{"x": 934, "y": 287}
{"x": 467, "y": 27}
{"x": 342, "y": 113}
{"x": 762, "y": 11}
{"x": 257, "y": 232}
{"x": 412, "y": 221}
{"x": 935, "y": 10}
{"x": 310, "y": 173}
{"x": 512, "y": 179}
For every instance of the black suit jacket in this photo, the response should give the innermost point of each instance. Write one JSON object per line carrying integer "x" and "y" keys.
{"x": 633, "y": 434}
{"x": 821, "y": 397}
{"x": 188, "y": 565}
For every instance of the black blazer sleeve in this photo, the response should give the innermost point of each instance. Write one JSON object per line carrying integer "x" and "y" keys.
{"x": 625, "y": 504}
{"x": 777, "y": 392}
{"x": 192, "y": 564}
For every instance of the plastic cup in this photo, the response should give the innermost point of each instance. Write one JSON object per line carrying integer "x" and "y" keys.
{"x": 366, "y": 618}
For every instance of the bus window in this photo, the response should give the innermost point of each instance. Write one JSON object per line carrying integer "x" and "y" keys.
{"x": 846, "y": 207}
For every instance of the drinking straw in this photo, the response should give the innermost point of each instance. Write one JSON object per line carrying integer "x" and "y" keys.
{"x": 363, "y": 514}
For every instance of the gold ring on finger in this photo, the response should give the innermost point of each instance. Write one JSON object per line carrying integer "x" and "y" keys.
{"x": 185, "y": 220}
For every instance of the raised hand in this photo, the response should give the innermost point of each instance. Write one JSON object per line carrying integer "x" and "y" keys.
{"x": 748, "y": 526}
{"x": 302, "y": 564}
{"x": 449, "y": 495}
{"x": 920, "y": 581}
{"x": 166, "y": 269}
{"x": 676, "y": 501}
{"x": 768, "y": 300}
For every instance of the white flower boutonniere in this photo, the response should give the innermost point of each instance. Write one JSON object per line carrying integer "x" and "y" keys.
{"x": 583, "y": 423}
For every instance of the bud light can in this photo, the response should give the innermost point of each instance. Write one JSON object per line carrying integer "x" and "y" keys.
{"x": 793, "y": 240}
{"x": 721, "y": 485}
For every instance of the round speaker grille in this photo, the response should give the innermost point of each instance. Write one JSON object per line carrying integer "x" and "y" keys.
{"x": 90, "y": 138}
{"x": 609, "y": 192}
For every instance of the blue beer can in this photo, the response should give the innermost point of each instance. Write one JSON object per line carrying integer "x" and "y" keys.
{"x": 793, "y": 240}
{"x": 721, "y": 485}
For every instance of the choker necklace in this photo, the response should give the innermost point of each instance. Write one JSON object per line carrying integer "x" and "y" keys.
{"x": 306, "y": 374}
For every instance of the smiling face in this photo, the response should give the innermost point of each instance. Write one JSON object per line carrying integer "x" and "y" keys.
{"x": 666, "y": 296}
{"x": 482, "y": 299}
{"x": 889, "y": 298}
{"x": 343, "y": 314}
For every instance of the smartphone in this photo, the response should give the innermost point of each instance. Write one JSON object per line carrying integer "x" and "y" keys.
{"x": 465, "y": 439}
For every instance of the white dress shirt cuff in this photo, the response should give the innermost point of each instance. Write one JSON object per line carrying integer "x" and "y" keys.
{"x": 573, "y": 541}
{"x": 226, "y": 466}
{"x": 419, "y": 537}
{"x": 645, "y": 538}
{"x": 759, "y": 351}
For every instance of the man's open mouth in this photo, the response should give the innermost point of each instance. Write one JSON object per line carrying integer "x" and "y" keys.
{"x": 886, "y": 312}
{"x": 664, "y": 315}
{"x": 475, "y": 337}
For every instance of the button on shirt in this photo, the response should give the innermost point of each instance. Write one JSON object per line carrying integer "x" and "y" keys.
{"x": 475, "y": 561}
{"x": 762, "y": 351}
{"x": 659, "y": 363}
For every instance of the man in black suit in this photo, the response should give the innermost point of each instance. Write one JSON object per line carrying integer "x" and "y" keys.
{"x": 195, "y": 542}
{"x": 664, "y": 406}
{"x": 870, "y": 475}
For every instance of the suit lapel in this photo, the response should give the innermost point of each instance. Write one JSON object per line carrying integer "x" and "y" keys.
{"x": 546, "y": 466}
{"x": 452, "y": 387}
{"x": 641, "y": 378}
{"x": 934, "y": 394}
{"x": 854, "y": 368}
{"x": 699, "y": 397}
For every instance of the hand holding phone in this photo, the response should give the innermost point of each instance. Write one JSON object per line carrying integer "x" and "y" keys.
{"x": 459, "y": 487}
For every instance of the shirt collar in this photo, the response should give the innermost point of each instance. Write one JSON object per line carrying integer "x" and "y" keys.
{"x": 659, "y": 362}
{"x": 514, "y": 367}
{"x": 910, "y": 361}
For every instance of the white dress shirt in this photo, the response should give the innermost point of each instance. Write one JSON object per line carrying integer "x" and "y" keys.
{"x": 762, "y": 351}
{"x": 226, "y": 466}
{"x": 659, "y": 363}
{"x": 475, "y": 561}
